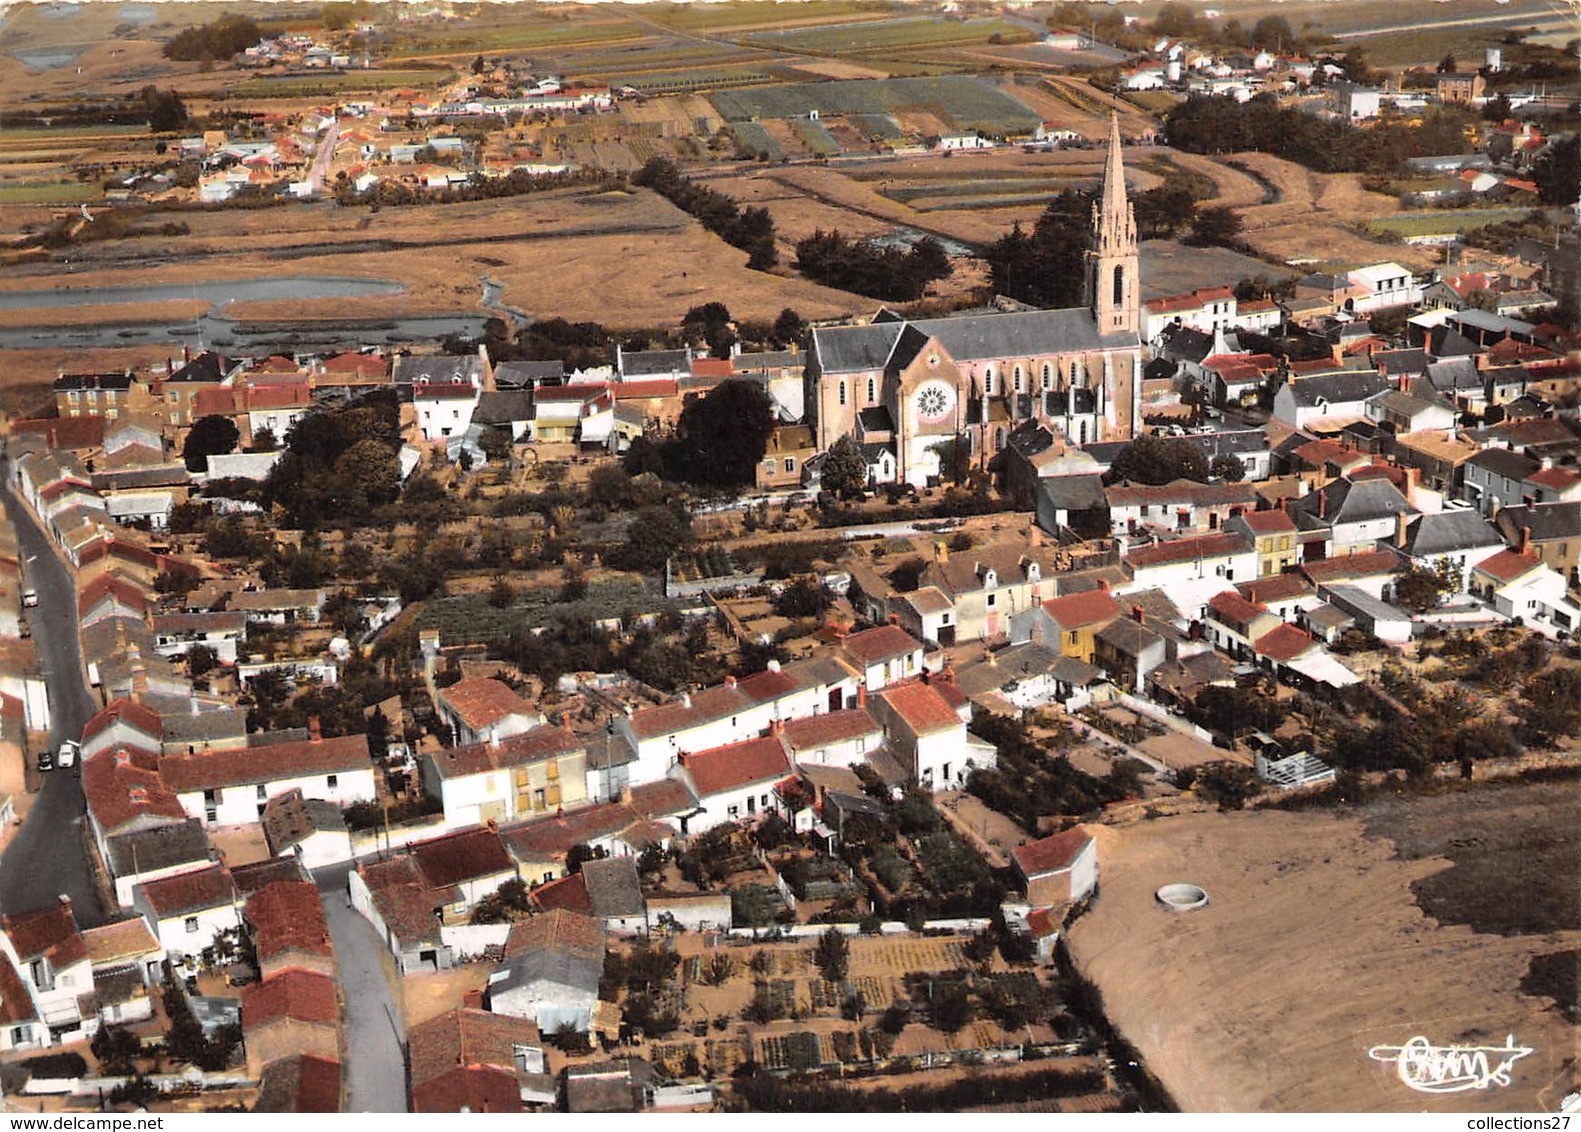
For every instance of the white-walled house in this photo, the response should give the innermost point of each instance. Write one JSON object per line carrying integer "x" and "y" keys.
{"x": 515, "y": 778}
{"x": 732, "y": 783}
{"x": 444, "y": 408}
{"x": 883, "y": 655}
{"x": 1059, "y": 870}
{"x": 835, "y": 738}
{"x": 1230, "y": 557}
{"x": 926, "y": 725}
{"x": 230, "y": 787}
{"x": 188, "y": 910}
{"x": 48, "y": 953}
{"x": 1521, "y": 586}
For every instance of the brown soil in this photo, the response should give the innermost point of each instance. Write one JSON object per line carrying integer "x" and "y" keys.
{"x": 1316, "y": 948}
{"x": 167, "y": 313}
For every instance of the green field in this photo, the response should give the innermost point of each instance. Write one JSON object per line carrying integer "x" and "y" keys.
{"x": 51, "y": 192}
{"x": 527, "y": 37}
{"x": 683, "y": 82}
{"x": 305, "y": 86}
{"x": 966, "y": 102}
{"x": 1438, "y": 221}
{"x": 890, "y": 35}
{"x": 722, "y": 17}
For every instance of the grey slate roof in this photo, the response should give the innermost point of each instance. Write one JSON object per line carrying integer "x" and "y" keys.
{"x": 204, "y": 727}
{"x": 1337, "y": 388}
{"x": 206, "y": 367}
{"x": 525, "y": 375}
{"x": 1447, "y": 342}
{"x": 1455, "y": 374}
{"x": 1448, "y": 532}
{"x": 613, "y": 887}
{"x": 1401, "y": 361}
{"x": 877, "y": 418}
{"x": 1233, "y": 443}
{"x": 976, "y": 337}
{"x": 654, "y": 363}
{"x": 162, "y": 847}
{"x": 441, "y": 369}
{"x": 1546, "y": 520}
{"x": 69, "y": 381}
{"x": 1356, "y": 501}
{"x": 504, "y": 407}
{"x": 1074, "y": 493}
{"x": 1503, "y": 462}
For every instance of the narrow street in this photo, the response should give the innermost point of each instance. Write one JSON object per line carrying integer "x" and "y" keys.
{"x": 374, "y": 1066}
{"x": 47, "y": 858}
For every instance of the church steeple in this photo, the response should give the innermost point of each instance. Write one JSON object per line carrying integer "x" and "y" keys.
{"x": 1114, "y": 291}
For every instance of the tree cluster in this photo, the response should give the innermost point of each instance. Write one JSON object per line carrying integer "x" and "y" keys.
{"x": 1031, "y": 782}
{"x": 1156, "y": 461}
{"x": 163, "y": 109}
{"x": 719, "y": 438}
{"x": 750, "y": 229}
{"x": 217, "y": 39}
{"x": 1047, "y": 268}
{"x": 338, "y": 465}
{"x": 1211, "y": 125}
{"x": 865, "y": 267}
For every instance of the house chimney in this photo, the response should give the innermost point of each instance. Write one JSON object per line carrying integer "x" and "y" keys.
{"x": 625, "y": 794}
{"x": 941, "y": 553}
{"x": 894, "y": 619}
{"x": 1034, "y": 535}
{"x": 1526, "y": 539}
{"x": 773, "y": 665}
{"x": 65, "y": 901}
{"x": 186, "y": 355}
{"x": 686, "y": 700}
{"x": 730, "y": 681}
{"x": 1037, "y": 634}
{"x": 1399, "y": 528}
{"x": 1136, "y": 614}
{"x": 314, "y": 729}
{"x": 139, "y": 681}
{"x": 861, "y": 695}
{"x": 565, "y": 721}
{"x": 122, "y": 757}
{"x": 1322, "y": 504}
{"x": 473, "y": 999}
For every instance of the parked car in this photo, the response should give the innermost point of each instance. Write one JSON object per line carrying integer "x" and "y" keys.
{"x": 67, "y": 755}
{"x": 30, "y": 597}
{"x": 46, "y": 760}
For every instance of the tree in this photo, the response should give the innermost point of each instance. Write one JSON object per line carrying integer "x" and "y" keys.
{"x": 1447, "y": 65}
{"x": 497, "y": 443}
{"x": 833, "y": 955}
{"x": 654, "y": 535}
{"x": 712, "y": 323}
{"x": 209, "y": 436}
{"x": 200, "y": 660}
{"x": 1272, "y": 33}
{"x": 1419, "y": 590}
{"x": 807, "y": 596}
{"x": 1215, "y": 226}
{"x": 1558, "y": 172}
{"x": 264, "y": 440}
{"x": 372, "y": 468}
{"x": 721, "y": 436}
{"x": 1048, "y": 267}
{"x": 1229, "y": 468}
{"x": 479, "y": 65}
{"x": 788, "y": 329}
{"x": 845, "y": 469}
{"x": 1150, "y": 460}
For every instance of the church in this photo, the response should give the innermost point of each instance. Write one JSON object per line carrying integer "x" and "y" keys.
{"x": 903, "y": 388}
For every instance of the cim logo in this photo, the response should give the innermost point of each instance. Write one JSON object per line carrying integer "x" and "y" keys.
{"x": 1427, "y": 1068}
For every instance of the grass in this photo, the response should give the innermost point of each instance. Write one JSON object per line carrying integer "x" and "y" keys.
{"x": 54, "y": 192}
{"x": 1434, "y": 222}
{"x": 965, "y": 102}
{"x": 528, "y": 37}
{"x": 721, "y": 17}
{"x": 889, "y": 35}
{"x": 13, "y": 134}
{"x": 1153, "y": 101}
{"x": 298, "y": 86}
{"x": 470, "y": 617}
{"x": 682, "y": 82}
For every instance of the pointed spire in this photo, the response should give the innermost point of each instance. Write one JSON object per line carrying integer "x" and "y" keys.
{"x": 1114, "y": 199}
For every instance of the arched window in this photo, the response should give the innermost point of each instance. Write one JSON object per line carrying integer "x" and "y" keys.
{"x": 1119, "y": 284}
{"x": 1048, "y": 377}
{"x": 842, "y": 393}
{"x": 999, "y": 440}
{"x": 872, "y": 390}
{"x": 1020, "y": 384}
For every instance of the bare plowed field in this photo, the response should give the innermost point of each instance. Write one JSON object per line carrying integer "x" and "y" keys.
{"x": 1333, "y": 933}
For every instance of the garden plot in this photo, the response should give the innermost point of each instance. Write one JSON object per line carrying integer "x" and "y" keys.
{"x": 894, "y": 957}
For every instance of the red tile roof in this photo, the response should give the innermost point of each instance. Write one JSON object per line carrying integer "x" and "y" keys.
{"x": 209, "y": 770}
{"x": 1075, "y": 611}
{"x": 532, "y": 746}
{"x": 49, "y": 931}
{"x": 646, "y": 388}
{"x": 735, "y": 765}
{"x": 767, "y": 686}
{"x": 288, "y": 916}
{"x": 404, "y": 902}
{"x": 16, "y": 1003}
{"x": 113, "y": 944}
{"x": 695, "y": 710}
{"x": 296, "y": 994}
{"x": 177, "y": 895}
{"x": 1235, "y": 608}
{"x": 302, "y": 1083}
{"x": 883, "y": 643}
{"x": 1269, "y": 522}
{"x": 121, "y": 786}
{"x": 1284, "y": 642}
{"x": 921, "y": 706}
{"x": 558, "y": 929}
{"x": 1364, "y": 565}
{"x": 368, "y": 365}
{"x": 711, "y": 367}
{"x": 1508, "y": 565}
{"x": 814, "y": 731}
{"x": 581, "y": 391}
{"x": 568, "y": 894}
{"x": 482, "y": 701}
{"x": 1185, "y": 549}
{"x": 1560, "y": 479}
{"x": 467, "y": 854}
{"x": 1280, "y": 587}
{"x": 130, "y": 712}
{"x": 110, "y": 585}
{"x": 63, "y": 432}
{"x": 469, "y": 1088}
{"x": 1051, "y": 854}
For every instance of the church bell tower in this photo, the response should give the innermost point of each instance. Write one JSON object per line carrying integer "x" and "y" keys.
{"x": 1114, "y": 285}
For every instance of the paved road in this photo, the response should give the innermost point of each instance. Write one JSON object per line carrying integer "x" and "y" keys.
{"x": 47, "y": 857}
{"x": 325, "y": 155}
{"x": 375, "y": 1067}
